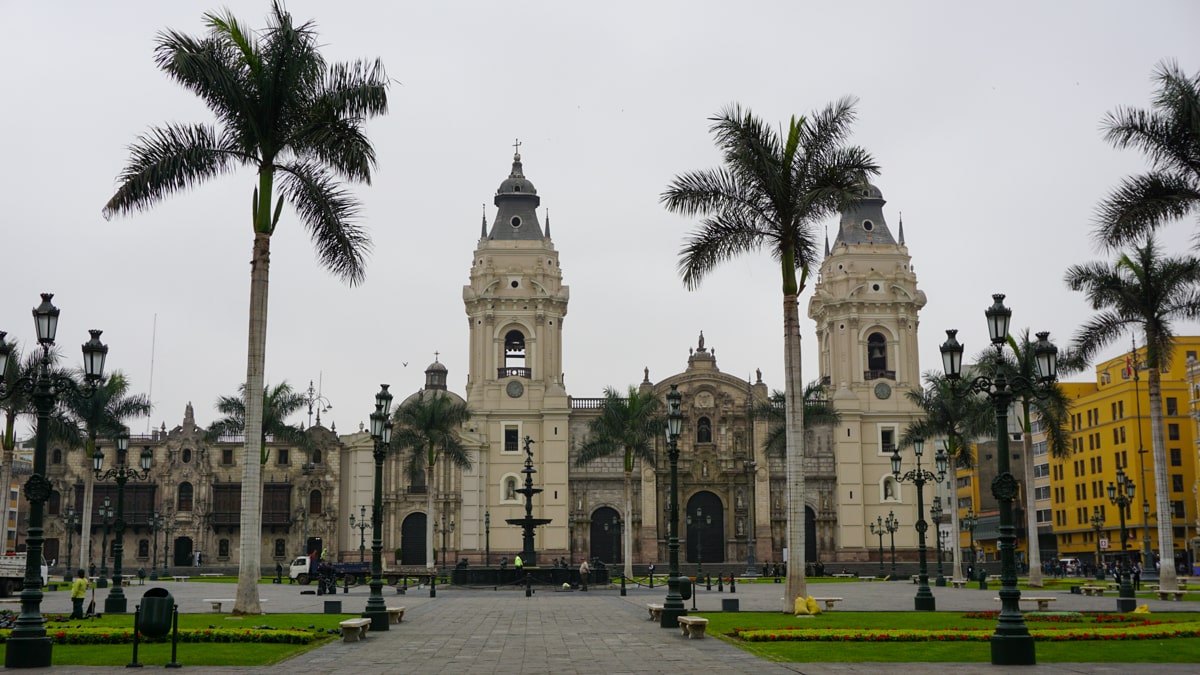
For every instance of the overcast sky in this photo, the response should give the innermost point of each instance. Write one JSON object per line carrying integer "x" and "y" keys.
{"x": 985, "y": 121}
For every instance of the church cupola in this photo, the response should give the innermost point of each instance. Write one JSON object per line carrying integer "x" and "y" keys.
{"x": 863, "y": 223}
{"x": 516, "y": 203}
{"x": 435, "y": 376}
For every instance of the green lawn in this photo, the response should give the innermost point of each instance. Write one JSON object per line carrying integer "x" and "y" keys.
{"x": 193, "y": 654}
{"x": 1181, "y": 650}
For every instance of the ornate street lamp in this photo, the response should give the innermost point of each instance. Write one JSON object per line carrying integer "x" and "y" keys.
{"x": 445, "y": 530}
{"x": 1121, "y": 495}
{"x": 892, "y": 525}
{"x": 487, "y": 539}
{"x": 879, "y": 531}
{"x": 116, "y": 603}
{"x": 381, "y": 434}
{"x": 925, "y": 601}
{"x": 701, "y": 521}
{"x": 106, "y": 517}
{"x": 156, "y": 523}
{"x": 362, "y": 525}
{"x": 1011, "y": 643}
{"x": 168, "y": 528}
{"x": 1097, "y": 522}
{"x": 968, "y": 523}
{"x": 673, "y": 607}
{"x": 751, "y": 571}
{"x": 71, "y": 521}
{"x": 315, "y": 400}
{"x": 935, "y": 514}
{"x": 28, "y": 646}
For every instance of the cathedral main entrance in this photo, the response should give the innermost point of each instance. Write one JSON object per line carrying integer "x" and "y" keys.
{"x": 704, "y": 521}
{"x": 605, "y": 535}
{"x": 412, "y": 540}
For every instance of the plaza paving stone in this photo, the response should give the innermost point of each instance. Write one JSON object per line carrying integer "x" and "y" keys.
{"x": 486, "y": 631}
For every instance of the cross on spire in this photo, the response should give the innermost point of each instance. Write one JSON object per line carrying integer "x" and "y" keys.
{"x": 435, "y": 356}
{"x": 516, "y": 146}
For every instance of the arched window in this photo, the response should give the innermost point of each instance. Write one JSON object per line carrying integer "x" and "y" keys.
{"x": 185, "y": 497}
{"x": 703, "y": 430}
{"x": 143, "y": 548}
{"x": 56, "y": 456}
{"x": 514, "y": 355}
{"x": 280, "y": 548}
{"x": 316, "y": 456}
{"x": 314, "y": 503}
{"x": 877, "y": 361}
{"x": 187, "y": 455}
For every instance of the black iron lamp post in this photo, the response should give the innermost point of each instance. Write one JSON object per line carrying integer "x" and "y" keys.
{"x": 935, "y": 514}
{"x": 156, "y": 523}
{"x": 1097, "y": 522}
{"x": 106, "y": 518}
{"x": 28, "y": 646}
{"x": 71, "y": 521}
{"x": 381, "y": 434}
{"x": 925, "y": 602}
{"x": 1011, "y": 643}
{"x": 673, "y": 607}
{"x": 168, "y": 528}
{"x": 892, "y": 525}
{"x": 116, "y": 602}
{"x": 362, "y": 525}
{"x": 879, "y": 531}
{"x": 968, "y": 523}
{"x": 1121, "y": 495}
{"x": 487, "y": 539}
{"x": 701, "y": 521}
{"x": 751, "y": 570}
{"x": 445, "y": 530}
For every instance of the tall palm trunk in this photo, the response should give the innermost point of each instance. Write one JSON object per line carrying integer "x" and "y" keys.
{"x": 6, "y": 476}
{"x": 1031, "y": 531}
{"x": 85, "y": 538}
{"x": 429, "y": 509}
{"x": 250, "y": 555}
{"x": 794, "y": 421}
{"x": 956, "y": 573}
{"x": 1166, "y": 537}
{"x": 627, "y": 534}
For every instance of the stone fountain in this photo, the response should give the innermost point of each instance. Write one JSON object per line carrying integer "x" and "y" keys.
{"x": 528, "y": 555}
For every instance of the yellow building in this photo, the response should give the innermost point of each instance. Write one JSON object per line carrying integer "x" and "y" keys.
{"x": 1110, "y": 429}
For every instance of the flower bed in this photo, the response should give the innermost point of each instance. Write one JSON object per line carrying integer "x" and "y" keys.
{"x": 107, "y": 636}
{"x": 1136, "y": 632}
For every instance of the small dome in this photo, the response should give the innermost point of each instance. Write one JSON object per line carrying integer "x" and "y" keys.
{"x": 436, "y": 366}
{"x": 516, "y": 183}
{"x": 872, "y": 192}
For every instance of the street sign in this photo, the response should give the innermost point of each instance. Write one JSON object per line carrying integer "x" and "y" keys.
{"x": 1104, "y": 544}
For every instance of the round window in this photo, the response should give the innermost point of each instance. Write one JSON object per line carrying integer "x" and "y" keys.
{"x": 515, "y": 284}
{"x": 516, "y": 221}
{"x": 868, "y": 225}
{"x": 875, "y": 287}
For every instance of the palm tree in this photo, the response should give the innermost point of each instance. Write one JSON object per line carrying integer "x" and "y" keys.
{"x": 278, "y": 404}
{"x": 956, "y": 416}
{"x": 17, "y": 404}
{"x": 1051, "y": 407}
{"x": 1169, "y": 135}
{"x": 1148, "y": 291}
{"x": 282, "y": 110}
{"x": 818, "y": 411}
{"x": 86, "y": 419}
{"x": 627, "y": 424}
{"x": 775, "y": 187}
{"x": 428, "y": 425}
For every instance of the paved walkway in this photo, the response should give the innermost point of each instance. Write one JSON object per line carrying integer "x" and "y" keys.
{"x": 486, "y": 631}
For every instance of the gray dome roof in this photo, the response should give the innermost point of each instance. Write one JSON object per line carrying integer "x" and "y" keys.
{"x": 872, "y": 192}
{"x": 516, "y": 183}
{"x": 436, "y": 366}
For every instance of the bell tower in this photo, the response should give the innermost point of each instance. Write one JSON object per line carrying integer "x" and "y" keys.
{"x": 515, "y": 304}
{"x": 866, "y": 304}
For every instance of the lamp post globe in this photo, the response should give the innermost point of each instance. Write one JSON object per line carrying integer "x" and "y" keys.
{"x": 1011, "y": 644}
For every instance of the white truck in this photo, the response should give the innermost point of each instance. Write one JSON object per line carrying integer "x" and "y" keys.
{"x": 12, "y": 574}
{"x": 304, "y": 569}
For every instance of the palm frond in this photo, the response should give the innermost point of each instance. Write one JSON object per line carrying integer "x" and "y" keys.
{"x": 170, "y": 159}
{"x": 328, "y": 212}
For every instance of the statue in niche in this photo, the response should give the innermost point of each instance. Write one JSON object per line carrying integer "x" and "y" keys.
{"x": 889, "y": 491}
{"x": 704, "y": 469}
{"x": 510, "y": 489}
{"x": 740, "y": 501}
{"x": 741, "y": 527}
{"x": 700, "y": 347}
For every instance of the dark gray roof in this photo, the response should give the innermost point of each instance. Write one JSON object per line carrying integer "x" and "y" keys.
{"x": 516, "y": 203}
{"x": 863, "y": 223}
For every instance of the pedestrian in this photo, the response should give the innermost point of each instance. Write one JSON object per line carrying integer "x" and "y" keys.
{"x": 518, "y": 564}
{"x": 584, "y": 573}
{"x": 78, "y": 593}
{"x": 1137, "y": 577}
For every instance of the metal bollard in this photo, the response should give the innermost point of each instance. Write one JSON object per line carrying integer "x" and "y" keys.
{"x": 622, "y": 585}
{"x": 720, "y": 584}
{"x": 528, "y": 586}
{"x": 137, "y": 613}
{"x": 732, "y": 584}
{"x": 708, "y": 582}
{"x": 175, "y": 641}
{"x": 433, "y": 585}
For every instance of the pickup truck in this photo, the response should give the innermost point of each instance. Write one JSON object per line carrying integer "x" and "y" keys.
{"x": 12, "y": 574}
{"x": 304, "y": 569}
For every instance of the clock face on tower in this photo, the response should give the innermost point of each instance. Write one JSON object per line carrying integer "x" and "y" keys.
{"x": 883, "y": 390}
{"x": 515, "y": 389}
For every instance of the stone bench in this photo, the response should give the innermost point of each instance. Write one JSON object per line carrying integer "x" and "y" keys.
{"x": 1043, "y": 602}
{"x": 692, "y": 627}
{"x": 211, "y": 574}
{"x": 179, "y": 578}
{"x": 354, "y": 630}
{"x": 829, "y": 602}
{"x": 395, "y": 614}
{"x": 1173, "y": 595}
{"x": 958, "y": 583}
{"x": 843, "y": 576}
{"x": 1093, "y": 590}
{"x": 216, "y": 602}
{"x": 655, "y": 612}
{"x": 866, "y": 578}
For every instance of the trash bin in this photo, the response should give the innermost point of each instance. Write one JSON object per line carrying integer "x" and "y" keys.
{"x": 729, "y": 605}
{"x": 157, "y": 608}
{"x": 1075, "y": 591}
{"x": 333, "y": 606}
{"x": 685, "y": 588}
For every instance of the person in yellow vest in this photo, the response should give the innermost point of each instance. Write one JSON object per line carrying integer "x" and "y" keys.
{"x": 518, "y": 564}
{"x": 78, "y": 593}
